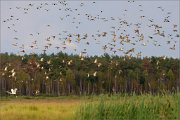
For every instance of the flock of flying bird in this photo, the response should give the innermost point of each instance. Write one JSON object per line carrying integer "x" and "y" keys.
{"x": 119, "y": 34}
{"x": 121, "y": 37}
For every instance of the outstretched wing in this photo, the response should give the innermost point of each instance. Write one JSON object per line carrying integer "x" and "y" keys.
{"x": 12, "y": 91}
{"x": 8, "y": 92}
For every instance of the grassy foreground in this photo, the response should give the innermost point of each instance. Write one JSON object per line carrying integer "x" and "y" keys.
{"x": 38, "y": 109}
{"x": 116, "y": 107}
{"x": 145, "y": 107}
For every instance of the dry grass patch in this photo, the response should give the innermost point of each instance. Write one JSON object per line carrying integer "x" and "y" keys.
{"x": 38, "y": 109}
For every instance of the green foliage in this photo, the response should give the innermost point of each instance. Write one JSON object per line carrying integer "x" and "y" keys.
{"x": 114, "y": 74}
{"x": 144, "y": 107}
{"x": 170, "y": 75}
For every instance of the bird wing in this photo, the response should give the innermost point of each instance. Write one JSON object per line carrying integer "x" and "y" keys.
{"x": 13, "y": 91}
{"x": 8, "y": 92}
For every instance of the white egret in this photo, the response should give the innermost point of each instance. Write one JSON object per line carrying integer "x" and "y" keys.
{"x": 13, "y": 91}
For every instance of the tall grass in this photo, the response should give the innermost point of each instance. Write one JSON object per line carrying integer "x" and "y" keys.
{"x": 103, "y": 107}
{"x": 144, "y": 107}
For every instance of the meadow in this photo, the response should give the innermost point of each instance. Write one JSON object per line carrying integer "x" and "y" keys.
{"x": 89, "y": 60}
{"x": 102, "y": 107}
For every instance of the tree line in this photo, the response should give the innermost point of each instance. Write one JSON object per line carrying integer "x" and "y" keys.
{"x": 63, "y": 74}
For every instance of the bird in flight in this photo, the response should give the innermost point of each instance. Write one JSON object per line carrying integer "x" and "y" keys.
{"x": 13, "y": 91}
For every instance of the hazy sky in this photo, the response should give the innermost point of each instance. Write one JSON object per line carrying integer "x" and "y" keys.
{"x": 66, "y": 18}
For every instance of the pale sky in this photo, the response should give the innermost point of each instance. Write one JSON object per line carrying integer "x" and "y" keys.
{"x": 36, "y": 21}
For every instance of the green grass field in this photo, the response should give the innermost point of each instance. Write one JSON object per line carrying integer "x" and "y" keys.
{"x": 102, "y": 107}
